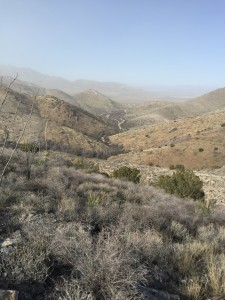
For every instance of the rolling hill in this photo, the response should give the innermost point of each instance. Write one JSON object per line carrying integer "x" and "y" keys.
{"x": 156, "y": 112}
{"x": 95, "y": 102}
{"x": 62, "y": 125}
{"x": 196, "y": 142}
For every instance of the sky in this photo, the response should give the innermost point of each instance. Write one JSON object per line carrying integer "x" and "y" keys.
{"x": 145, "y": 42}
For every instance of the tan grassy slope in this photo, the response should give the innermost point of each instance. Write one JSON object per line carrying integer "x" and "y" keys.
{"x": 196, "y": 142}
{"x": 72, "y": 116}
{"x": 95, "y": 102}
{"x": 64, "y": 126}
{"x": 149, "y": 113}
{"x": 91, "y": 100}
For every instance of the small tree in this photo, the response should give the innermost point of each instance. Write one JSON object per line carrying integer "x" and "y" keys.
{"x": 128, "y": 174}
{"x": 183, "y": 183}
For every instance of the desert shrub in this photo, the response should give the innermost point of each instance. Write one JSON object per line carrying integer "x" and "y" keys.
{"x": 29, "y": 147}
{"x": 104, "y": 269}
{"x": 200, "y": 149}
{"x": 172, "y": 167}
{"x": 178, "y": 232}
{"x": 183, "y": 183}
{"x": 172, "y": 145}
{"x": 72, "y": 290}
{"x": 128, "y": 174}
{"x": 28, "y": 260}
{"x": 179, "y": 167}
{"x": 86, "y": 165}
{"x": 223, "y": 125}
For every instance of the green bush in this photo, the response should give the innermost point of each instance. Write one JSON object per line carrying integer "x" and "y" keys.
{"x": 183, "y": 183}
{"x": 29, "y": 147}
{"x": 128, "y": 174}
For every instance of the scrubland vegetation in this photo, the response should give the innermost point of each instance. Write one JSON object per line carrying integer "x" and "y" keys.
{"x": 70, "y": 232}
{"x": 85, "y": 236}
{"x": 183, "y": 183}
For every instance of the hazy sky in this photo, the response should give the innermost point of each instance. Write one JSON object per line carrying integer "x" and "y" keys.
{"x": 148, "y": 42}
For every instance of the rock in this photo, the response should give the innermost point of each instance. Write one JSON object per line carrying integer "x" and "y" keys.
{"x": 7, "y": 242}
{"x": 8, "y": 295}
{"x": 152, "y": 294}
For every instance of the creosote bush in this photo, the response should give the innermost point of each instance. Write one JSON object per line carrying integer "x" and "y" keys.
{"x": 127, "y": 174}
{"x": 183, "y": 183}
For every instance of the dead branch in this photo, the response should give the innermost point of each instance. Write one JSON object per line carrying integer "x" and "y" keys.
{"x": 18, "y": 141}
{"x": 6, "y": 130}
{"x": 7, "y": 91}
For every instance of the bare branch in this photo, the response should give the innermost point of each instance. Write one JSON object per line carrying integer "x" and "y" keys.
{"x": 18, "y": 141}
{"x": 7, "y": 91}
{"x": 7, "y": 129}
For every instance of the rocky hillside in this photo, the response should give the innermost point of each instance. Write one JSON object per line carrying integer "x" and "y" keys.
{"x": 196, "y": 142}
{"x": 62, "y": 125}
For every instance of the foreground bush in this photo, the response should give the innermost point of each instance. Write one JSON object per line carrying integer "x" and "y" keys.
{"x": 85, "y": 236}
{"x": 128, "y": 174}
{"x": 183, "y": 183}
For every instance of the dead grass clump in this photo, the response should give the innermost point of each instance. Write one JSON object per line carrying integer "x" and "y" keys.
{"x": 216, "y": 275}
{"x": 105, "y": 268}
{"x": 27, "y": 260}
{"x": 147, "y": 246}
{"x": 178, "y": 232}
{"x": 71, "y": 290}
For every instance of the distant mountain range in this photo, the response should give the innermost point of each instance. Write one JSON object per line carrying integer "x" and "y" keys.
{"x": 116, "y": 91}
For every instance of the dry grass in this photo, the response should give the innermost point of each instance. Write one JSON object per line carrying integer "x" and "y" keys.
{"x": 151, "y": 144}
{"x": 85, "y": 236}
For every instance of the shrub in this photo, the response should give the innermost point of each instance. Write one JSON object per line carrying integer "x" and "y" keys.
{"x": 86, "y": 165}
{"x": 200, "y": 149}
{"x": 180, "y": 167}
{"x": 183, "y": 183}
{"x": 128, "y": 174}
{"x": 29, "y": 147}
{"x": 223, "y": 125}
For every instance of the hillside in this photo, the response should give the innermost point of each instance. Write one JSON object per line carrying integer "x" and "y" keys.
{"x": 85, "y": 236}
{"x": 72, "y": 116}
{"x": 196, "y": 142}
{"x": 155, "y": 112}
{"x": 63, "y": 125}
{"x": 95, "y": 102}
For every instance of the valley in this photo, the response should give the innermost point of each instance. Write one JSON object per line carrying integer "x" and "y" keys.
{"x": 65, "y": 214}
{"x": 151, "y": 133}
